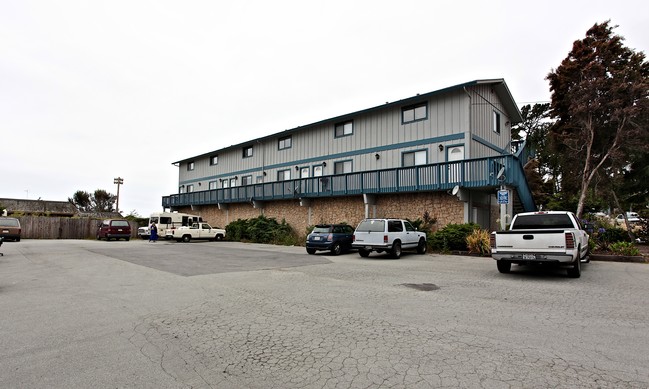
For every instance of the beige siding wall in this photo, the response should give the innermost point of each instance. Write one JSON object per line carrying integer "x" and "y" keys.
{"x": 380, "y": 132}
{"x": 351, "y": 210}
{"x": 484, "y": 101}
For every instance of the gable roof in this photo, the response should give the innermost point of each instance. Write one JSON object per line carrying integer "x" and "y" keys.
{"x": 499, "y": 85}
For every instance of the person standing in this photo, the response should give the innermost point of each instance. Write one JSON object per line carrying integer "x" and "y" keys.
{"x": 153, "y": 233}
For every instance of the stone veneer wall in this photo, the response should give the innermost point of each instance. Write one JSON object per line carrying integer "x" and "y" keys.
{"x": 351, "y": 210}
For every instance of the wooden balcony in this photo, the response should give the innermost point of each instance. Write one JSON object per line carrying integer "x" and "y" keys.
{"x": 479, "y": 173}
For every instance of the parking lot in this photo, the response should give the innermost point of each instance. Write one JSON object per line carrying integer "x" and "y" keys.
{"x": 80, "y": 314}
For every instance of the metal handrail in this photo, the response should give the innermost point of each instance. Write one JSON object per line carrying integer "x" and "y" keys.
{"x": 470, "y": 173}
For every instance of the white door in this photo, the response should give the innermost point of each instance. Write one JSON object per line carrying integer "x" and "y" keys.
{"x": 455, "y": 153}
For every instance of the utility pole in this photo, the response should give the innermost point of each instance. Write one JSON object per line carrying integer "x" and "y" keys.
{"x": 119, "y": 181}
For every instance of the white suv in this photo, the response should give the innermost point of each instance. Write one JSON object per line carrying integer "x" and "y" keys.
{"x": 391, "y": 235}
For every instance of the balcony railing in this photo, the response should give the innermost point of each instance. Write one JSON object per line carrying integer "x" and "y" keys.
{"x": 472, "y": 173}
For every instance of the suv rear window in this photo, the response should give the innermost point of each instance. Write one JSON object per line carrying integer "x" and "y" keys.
{"x": 371, "y": 226}
{"x": 120, "y": 223}
{"x": 9, "y": 223}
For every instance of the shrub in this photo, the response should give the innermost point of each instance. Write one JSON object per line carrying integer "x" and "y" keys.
{"x": 624, "y": 248}
{"x": 478, "y": 242}
{"x": 452, "y": 237}
{"x": 261, "y": 230}
{"x": 613, "y": 235}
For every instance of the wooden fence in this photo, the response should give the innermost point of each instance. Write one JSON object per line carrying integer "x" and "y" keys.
{"x": 43, "y": 227}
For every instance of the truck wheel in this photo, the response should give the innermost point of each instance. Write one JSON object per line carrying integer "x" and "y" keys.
{"x": 219, "y": 237}
{"x": 504, "y": 266}
{"x": 363, "y": 253}
{"x": 575, "y": 270}
{"x": 396, "y": 249}
{"x": 187, "y": 238}
{"x": 421, "y": 248}
{"x": 310, "y": 251}
{"x": 336, "y": 249}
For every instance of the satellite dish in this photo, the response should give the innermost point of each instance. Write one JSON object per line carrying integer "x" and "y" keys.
{"x": 455, "y": 190}
{"x": 501, "y": 173}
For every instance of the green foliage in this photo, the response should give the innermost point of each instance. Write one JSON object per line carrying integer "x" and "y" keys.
{"x": 478, "y": 242}
{"x": 624, "y": 248}
{"x": 600, "y": 96}
{"x": 452, "y": 237}
{"x": 425, "y": 223}
{"x": 262, "y": 230}
{"x": 99, "y": 201}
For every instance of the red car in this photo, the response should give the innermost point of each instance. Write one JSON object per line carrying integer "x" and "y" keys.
{"x": 114, "y": 229}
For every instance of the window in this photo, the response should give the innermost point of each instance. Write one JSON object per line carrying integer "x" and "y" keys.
{"x": 190, "y": 166}
{"x": 233, "y": 182}
{"x": 260, "y": 179}
{"x": 414, "y": 113}
{"x": 344, "y": 129}
{"x": 212, "y": 185}
{"x": 246, "y": 180}
{"x": 496, "y": 122}
{"x": 214, "y": 160}
{"x": 247, "y": 152}
{"x": 304, "y": 172}
{"x": 343, "y": 167}
{"x": 317, "y": 171}
{"x": 395, "y": 226}
{"x": 181, "y": 189}
{"x": 414, "y": 158}
{"x": 284, "y": 175}
{"x": 226, "y": 183}
{"x": 284, "y": 143}
{"x": 190, "y": 188}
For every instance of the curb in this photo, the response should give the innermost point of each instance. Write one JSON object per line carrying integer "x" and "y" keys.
{"x": 618, "y": 258}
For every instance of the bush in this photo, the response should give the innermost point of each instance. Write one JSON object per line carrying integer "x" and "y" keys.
{"x": 453, "y": 237}
{"x": 478, "y": 242}
{"x": 262, "y": 230}
{"x": 624, "y": 248}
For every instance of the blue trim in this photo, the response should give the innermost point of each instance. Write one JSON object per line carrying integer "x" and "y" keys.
{"x": 488, "y": 144}
{"x": 371, "y": 150}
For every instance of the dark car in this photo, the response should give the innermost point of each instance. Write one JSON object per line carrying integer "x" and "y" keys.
{"x": 332, "y": 237}
{"x": 114, "y": 229}
{"x": 10, "y": 228}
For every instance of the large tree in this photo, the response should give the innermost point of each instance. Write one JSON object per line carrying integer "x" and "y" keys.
{"x": 600, "y": 96}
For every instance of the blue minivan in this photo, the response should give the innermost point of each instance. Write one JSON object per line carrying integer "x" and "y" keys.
{"x": 330, "y": 237}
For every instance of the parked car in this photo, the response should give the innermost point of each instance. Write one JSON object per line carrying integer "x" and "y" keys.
{"x": 633, "y": 218}
{"x": 10, "y": 228}
{"x": 331, "y": 237}
{"x": 389, "y": 235}
{"x": 114, "y": 229}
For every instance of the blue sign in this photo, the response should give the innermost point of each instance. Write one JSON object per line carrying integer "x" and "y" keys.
{"x": 503, "y": 197}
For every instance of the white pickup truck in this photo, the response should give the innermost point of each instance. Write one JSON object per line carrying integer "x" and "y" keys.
{"x": 196, "y": 231}
{"x": 552, "y": 237}
{"x": 391, "y": 235}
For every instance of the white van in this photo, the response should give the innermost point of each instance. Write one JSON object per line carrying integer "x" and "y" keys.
{"x": 165, "y": 220}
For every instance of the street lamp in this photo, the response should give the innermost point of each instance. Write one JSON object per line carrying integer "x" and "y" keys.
{"x": 119, "y": 181}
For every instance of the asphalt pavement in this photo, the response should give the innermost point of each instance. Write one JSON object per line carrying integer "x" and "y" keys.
{"x": 90, "y": 314}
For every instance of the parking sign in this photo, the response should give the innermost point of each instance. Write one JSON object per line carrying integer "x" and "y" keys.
{"x": 503, "y": 197}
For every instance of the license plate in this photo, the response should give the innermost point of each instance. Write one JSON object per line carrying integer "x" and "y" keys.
{"x": 120, "y": 230}
{"x": 368, "y": 247}
{"x": 5, "y": 231}
{"x": 316, "y": 238}
{"x": 529, "y": 256}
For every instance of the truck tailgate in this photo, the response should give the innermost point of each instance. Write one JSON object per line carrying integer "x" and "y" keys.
{"x": 531, "y": 240}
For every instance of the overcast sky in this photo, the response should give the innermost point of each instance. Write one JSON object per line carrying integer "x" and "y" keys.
{"x": 92, "y": 90}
